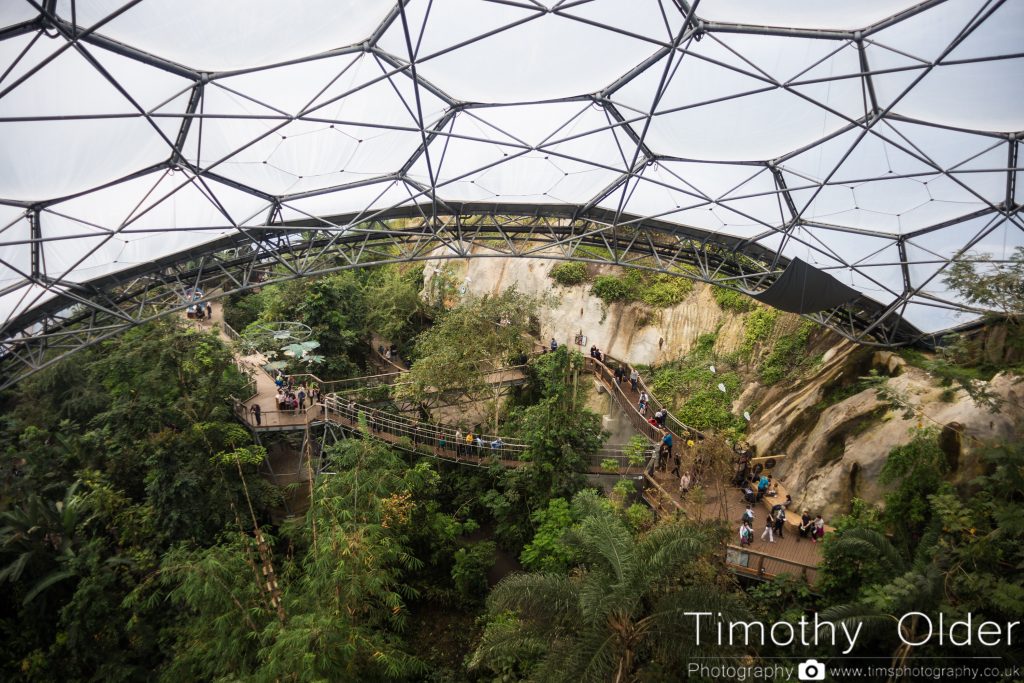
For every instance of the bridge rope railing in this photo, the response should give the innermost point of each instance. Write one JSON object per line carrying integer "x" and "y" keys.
{"x": 444, "y": 436}
{"x": 336, "y": 406}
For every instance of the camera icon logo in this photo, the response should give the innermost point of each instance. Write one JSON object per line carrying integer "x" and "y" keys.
{"x": 811, "y": 670}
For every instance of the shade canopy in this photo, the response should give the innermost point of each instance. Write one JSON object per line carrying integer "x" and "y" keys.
{"x": 876, "y": 141}
{"x": 803, "y": 289}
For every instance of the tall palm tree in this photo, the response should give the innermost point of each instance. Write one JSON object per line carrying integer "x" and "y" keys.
{"x": 622, "y": 612}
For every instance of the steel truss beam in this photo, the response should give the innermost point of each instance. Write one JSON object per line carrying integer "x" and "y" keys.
{"x": 79, "y": 317}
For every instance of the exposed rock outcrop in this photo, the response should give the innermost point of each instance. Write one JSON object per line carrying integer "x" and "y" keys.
{"x": 835, "y": 444}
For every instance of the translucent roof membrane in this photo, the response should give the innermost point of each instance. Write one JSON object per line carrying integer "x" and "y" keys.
{"x": 876, "y": 140}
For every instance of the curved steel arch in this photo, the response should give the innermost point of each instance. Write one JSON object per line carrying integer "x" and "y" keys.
{"x": 93, "y": 312}
{"x": 267, "y": 249}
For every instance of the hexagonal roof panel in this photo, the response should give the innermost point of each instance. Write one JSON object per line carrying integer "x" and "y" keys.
{"x": 875, "y": 140}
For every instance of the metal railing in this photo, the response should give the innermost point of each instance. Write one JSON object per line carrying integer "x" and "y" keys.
{"x": 298, "y": 418}
{"x": 230, "y": 332}
{"x": 331, "y": 386}
{"x": 449, "y": 438}
{"x": 636, "y": 420}
{"x": 440, "y": 435}
{"x": 675, "y": 425}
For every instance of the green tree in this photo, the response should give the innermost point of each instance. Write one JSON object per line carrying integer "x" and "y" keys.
{"x": 339, "y": 604}
{"x": 968, "y": 561}
{"x": 621, "y": 615}
{"x": 334, "y": 307}
{"x": 548, "y": 551}
{"x": 479, "y": 335}
{"x": 916, "y": 470}
{"x": 995, "y": 286}
{"x": 116, "y": 452}
{"x": 394, "y": 308}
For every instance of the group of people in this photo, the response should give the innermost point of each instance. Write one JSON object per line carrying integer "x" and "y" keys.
{"x": 775, "y": 522}
{"x": 470, "y": 444}
{"x": 755, "y": 491}
{"x": 199, "y": 311}
{"x": 289, "y": 396}
{"x": 292, "y": 396}
{"x": 596, "y": 354}
{"x": 633, "y": 375}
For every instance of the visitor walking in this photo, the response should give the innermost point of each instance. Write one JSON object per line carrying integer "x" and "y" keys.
{"x": 748, "y": 515}
{"x": 780, "y": 519}
{"x": 769, "y": 525}
{"x": 746, "y": 533}
{"x": 458, "y": 442}
{"x": 301, "y": 396}
{"x": 554, "y": 344}
{"x": 667, "y": 440}
{"x": 634, "y": 377}
{"x": 684, "y": 484}
{"x": 255, "y": 410}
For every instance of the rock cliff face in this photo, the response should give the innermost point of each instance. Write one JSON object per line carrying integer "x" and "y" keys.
{"x": 629, "y": 331}
{"x": 835, "y": 452}
{"x": 834, "y": 448}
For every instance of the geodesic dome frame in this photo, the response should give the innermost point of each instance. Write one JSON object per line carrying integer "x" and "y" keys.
{"x": 152, "y": 147}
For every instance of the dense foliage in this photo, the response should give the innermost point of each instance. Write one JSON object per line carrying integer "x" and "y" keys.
{"x": 934, "y": 549}
{"x": 138, "y": 540}
{"x": 342, "y": 310}
{"x": 691, "y": 389}
{"x": 561, "y": 434}
{"x": 569, "y": 273}
{"x": 658, "y": 290}
{"x": 482, "y": 333}
{"x": 620, "y": 615}
{"x": 118, "y": 456}
{"x": 731, "y": 300}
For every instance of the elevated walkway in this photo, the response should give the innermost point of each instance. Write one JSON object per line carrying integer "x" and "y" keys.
{"x": 762, "y": 560}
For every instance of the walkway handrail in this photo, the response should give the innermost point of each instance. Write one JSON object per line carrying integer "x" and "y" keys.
{"x": 679, "y": 427}
{"x": 230, "y": 331}
{"x": 428, "y": 433}
{"x": 335, "y": 385}
{"x": 637, "y": 420}
{"x": 416, "y": 431}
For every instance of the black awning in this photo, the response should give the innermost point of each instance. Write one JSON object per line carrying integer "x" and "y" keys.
{"x": 802, "y": 288}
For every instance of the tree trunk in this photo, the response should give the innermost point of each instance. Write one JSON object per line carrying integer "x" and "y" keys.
{"x": 625, "y": 666}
